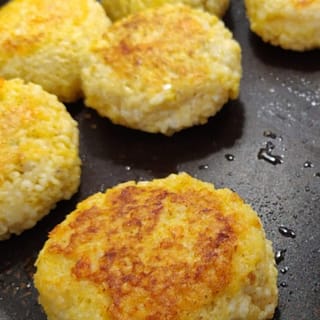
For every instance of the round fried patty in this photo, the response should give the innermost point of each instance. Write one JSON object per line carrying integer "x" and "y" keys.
{"x": 173, "y": 248}
{"x": 43, "y": 41}
{"x": 39, "y": 161}
{"x": 163, "y": 70}
{"x": 291, "y": 24}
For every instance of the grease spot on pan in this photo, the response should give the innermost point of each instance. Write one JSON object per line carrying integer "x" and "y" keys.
{"x": 267, "y": 155}
{"x": 286, "y": 232}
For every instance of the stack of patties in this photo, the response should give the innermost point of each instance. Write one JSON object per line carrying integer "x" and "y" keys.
{"x": 173, "y": 248}
{"x": 162, "y": 69}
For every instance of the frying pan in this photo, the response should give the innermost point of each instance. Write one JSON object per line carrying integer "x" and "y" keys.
{"x": 278, "y": 108}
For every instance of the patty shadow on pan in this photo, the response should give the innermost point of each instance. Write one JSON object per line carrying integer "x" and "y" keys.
{"x": 21, "y": 249}
{"x": 277, "y": 314}
{"x": 284, "y": 59}
{"x": 228, "y": 19}
{"x": 155, "y": 153}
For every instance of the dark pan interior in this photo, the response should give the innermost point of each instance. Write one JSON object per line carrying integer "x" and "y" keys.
{"x": 279, "y": 103}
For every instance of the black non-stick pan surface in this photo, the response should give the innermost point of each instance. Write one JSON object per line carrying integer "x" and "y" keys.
{"x": 278, "y": 109}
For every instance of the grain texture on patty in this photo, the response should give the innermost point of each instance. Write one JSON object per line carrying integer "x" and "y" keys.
{"x": 43, "y": 41}
{"x": 291, "y": 24}
{"x": 39, "y": 162}
{"x": 172, "y": 248}
{"x": 163, "y": 70}
{"x": 117, "y": 9}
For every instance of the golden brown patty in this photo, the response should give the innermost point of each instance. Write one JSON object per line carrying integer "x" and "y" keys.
{"x": 43, "y": 41}
{"x": 173, "y": 248}
{"x": 163, "y": 70}
{"x": 117, "y": 9}
{"x": 39, "y": 161}
{"x": 291, "y": 24}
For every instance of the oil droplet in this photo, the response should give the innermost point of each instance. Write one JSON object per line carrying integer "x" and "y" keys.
{"x": 284, "y": 270}
{"x": 279, "y": 256}
{"x": 128, "y": 168}
{"x": 308, "y": 164}
{"x": 287, "y": 232}
{"x": 273, "y": 159}
{"x": 283, "y": 284}
{"x": 203, "y": 167}
{"x": 269, "y": 134}
{"x": 307, "y": 188}
{"x": 266, "y": 154}
{"x": 270, "y": 146}
{"x": 229, "y": 157}
{"x": 317, "y": 174}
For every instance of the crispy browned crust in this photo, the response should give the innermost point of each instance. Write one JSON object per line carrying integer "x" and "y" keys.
{"x": 302, "y": 4}
{"x": 25, "y": 24}
{"x": 169, "y": 270}
{"x": 147, "y": 45}
{"x": 22, "y": 118}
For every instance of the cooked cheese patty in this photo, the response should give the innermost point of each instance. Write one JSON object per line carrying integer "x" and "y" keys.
{"x": 117, "y": 9}
{"x": 291, "y": 24}
{"x": 173, "y": 248}
{"x": 163, "y": 69}
{"x": 39, "y": 162}
{"x": 43, "y": 41}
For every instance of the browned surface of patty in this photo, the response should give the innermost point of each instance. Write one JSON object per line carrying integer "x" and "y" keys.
{"x": 160, "y": 51}
{"x": 302, "y": 3}
{"x": 129, "y": 270}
